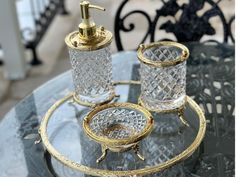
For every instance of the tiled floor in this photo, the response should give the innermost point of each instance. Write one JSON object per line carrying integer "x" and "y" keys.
{"x": 54, "y": 54}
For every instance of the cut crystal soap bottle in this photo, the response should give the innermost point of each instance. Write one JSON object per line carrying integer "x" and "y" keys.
{"x": 90, "y": 56}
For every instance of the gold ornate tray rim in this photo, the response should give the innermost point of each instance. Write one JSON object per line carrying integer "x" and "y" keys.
{"x": 140, "y": 172}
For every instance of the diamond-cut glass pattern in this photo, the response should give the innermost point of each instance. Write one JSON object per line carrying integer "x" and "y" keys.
{"x": 118, "y": 123}
{"x": 92, "y": 74}
{"x": 162, "y": 53}
{"x": 163, "y": 88}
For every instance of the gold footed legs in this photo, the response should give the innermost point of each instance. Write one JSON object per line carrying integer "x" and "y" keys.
{"x": 104, "y": 153}
{"x": 181, "y": 117}
{"x": 135, "y": 148}
{"x": 136, "y": 151}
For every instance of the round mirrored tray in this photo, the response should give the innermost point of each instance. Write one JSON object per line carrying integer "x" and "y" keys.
{"x": 72, "y": 153}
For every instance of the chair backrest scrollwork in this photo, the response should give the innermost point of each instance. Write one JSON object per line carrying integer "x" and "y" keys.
{"x": 190, "y": 26}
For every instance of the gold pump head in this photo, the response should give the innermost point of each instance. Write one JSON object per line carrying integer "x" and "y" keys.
{"x": 89, "y": 36}
{"x": 87, "y": 27}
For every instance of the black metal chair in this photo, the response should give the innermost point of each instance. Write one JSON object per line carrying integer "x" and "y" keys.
{"x": 189, "y": 26}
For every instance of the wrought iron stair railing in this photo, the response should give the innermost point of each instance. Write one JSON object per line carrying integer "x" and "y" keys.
{"x": 43, "y": 13}
{"x": 35, "y": 17}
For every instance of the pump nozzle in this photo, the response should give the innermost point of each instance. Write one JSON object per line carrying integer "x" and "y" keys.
{"x": 87, "y": 28}
{"x": 89, "y": 36}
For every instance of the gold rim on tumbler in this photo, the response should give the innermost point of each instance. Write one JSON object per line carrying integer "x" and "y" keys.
{"x": 139, "y": 172}
{"x": 162, "y": 64}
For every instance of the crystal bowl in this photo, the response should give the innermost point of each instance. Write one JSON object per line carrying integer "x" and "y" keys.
{"x": 118, "y": 126}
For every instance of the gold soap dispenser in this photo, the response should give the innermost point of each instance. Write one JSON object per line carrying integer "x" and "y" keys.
{"x": 90, "y": 56}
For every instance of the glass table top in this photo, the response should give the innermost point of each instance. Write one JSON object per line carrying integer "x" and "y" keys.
{"x": 210, "y": 82}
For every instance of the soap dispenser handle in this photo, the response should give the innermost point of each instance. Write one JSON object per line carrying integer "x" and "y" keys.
{"x": 97, "y": 7}
{"x": 85, "y": 6}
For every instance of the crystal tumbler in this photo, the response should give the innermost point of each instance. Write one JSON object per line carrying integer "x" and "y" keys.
{"x": 163, "y": 75}
{"x": 92, "y": 75}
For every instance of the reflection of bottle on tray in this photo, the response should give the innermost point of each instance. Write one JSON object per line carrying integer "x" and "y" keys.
{"x": 169, "y": 138}
{"x": 65, "y": 138}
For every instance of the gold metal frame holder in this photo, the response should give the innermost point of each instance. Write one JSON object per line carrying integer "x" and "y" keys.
{"x": 88, "y": 104}
{"x": 113, "y": 95}
{"x": 119, "y": 145}
{"x": 138, "y": 172}
{"x": 179, "y": 110}
{"x": 162, "y": 64}
{"x": 140, "y": 102}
